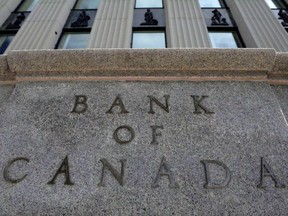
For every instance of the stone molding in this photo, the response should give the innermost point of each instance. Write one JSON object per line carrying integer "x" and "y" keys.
{"x": 5, "y": 73}
{"x": 279, "y": 72}
{"x": 141, "y": 64}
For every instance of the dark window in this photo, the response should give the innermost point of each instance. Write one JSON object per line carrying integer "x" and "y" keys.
{"x": 13, "y": 23}
{"x": 76, "y": 31}
{"x": 280, "y": 11}
{"x": 222, "y": 28}
{"x": 5, "y": 40}
{"x": 149, "y": 25}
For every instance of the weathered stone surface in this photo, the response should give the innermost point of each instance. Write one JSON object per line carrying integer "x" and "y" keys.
{"x": 236, "y": 125}
{"x": 5, "y": 73}
{"x": 280, "y": 68}
{"x": 142, "y": 62}
{"x": 282, "y": 94}
{"x": 5, "y": 92}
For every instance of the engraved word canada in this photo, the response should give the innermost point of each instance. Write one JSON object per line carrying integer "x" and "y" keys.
{"x": 164, "y": 171}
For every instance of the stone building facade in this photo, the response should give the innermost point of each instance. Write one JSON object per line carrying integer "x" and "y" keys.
{"x": 186, "y": 23}
{"x": 143, "y": 107}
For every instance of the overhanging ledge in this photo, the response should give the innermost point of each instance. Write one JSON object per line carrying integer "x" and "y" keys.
{"x": 279, "y": 73}
{"x": 146, "y": 64}
{"x": 5, "y": 73}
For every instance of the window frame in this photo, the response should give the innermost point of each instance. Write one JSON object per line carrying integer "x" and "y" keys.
{"x": 20, "y": 5}
{"x": 221, "y": 2}
{"x": 149, "y": 30}
{"x": 7, "y": 33}
{"x": 235, "y": 32}
{"x": 279, "y": 4}
{"x": 135, "y": 5}
{"x": 74, "y": 7}
{"x": 74, "y": 30}
{"x": 77, "y": 29}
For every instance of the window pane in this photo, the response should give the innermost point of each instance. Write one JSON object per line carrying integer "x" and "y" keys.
{"x": 209, "y": 3}
{"x": 223, "y": 40}
{"x": 149, "y": 3}
{"x": 148, "y": 39}
{"x": 5, "y": 40}
{"x": 28, "y": 5}
{"x": 74, "y": 40}
{"x": 87, "y": 4}
{"x": 271, "y": 4}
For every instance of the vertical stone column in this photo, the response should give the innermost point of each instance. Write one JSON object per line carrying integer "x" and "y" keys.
{"x": 6, "y": 8}
{"x": 112, "y": 27}
{"x": 186, "y": 27}
{"x": 43, "y": 27}
{"x": 258, "y": 26}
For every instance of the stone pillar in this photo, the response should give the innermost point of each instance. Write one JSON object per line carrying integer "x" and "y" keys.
{"x": 6, "y": 8}
{"x": 43, "y": 27}
{"x": 186, "y": 27}
{"x": 112, "y": 27}
{"x": 258, "y": 26}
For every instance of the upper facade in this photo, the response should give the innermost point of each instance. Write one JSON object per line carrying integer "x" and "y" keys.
{"x": 74, "y": 24}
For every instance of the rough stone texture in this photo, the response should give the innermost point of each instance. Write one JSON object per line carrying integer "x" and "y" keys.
{"x": 282, "y": 94}
{"x": 142, "y": 62}
{"x": 247, "y": 124}
{"x": 280, "y": 69}
{"x": 5, "y": 73}
{"x": 5, "y": 92}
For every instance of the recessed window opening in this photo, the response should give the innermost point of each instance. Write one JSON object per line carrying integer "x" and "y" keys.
{"x": 274, "y": 4}
{"x": 224, "y": 39}
{"x": 28, "y": 5}
{"x": 87, "y": 4}
{"x": 210, "y": 4}
{"x": 149, "y": 4}
{"x": 149, "y": 39}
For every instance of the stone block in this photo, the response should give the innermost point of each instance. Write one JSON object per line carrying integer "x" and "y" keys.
{"x": 5, "y": 73}
{"x": 247, "y": 63}
{"x": 280, "y": 69}
{"x": 281, "y": 92}
{"x": 5, "y": 92}
{"x": 143, "y": 148}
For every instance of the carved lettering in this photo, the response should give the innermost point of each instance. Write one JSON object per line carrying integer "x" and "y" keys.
{"x": 164, "y": 170}
{"x": 118, "y": 176}
{"x": 155, "y": 133}
{"x": 118, "y": 102}
{"x": 209, "y": 184}
{"x": 198, "y": 104}
{"x": 119, "y": 139}
{"x": 164, "y": 107}
{"x": 63, "y": 169}
{"x": 80, "y": 105}
{"x": 6, "y": 171}
{"x": 266, "y": 171}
